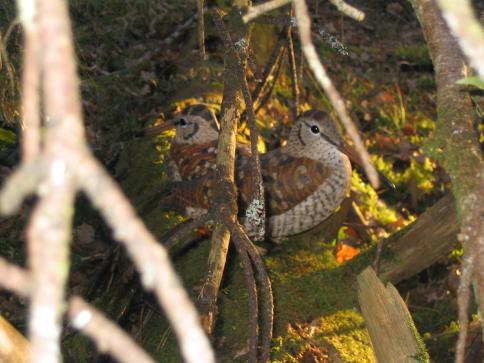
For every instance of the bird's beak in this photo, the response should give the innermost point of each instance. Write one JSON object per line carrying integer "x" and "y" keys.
{"x": 355, "y": 158}
{"x": 156, "y": 130}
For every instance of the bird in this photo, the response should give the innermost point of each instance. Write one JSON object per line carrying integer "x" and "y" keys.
{"x": 193, "y": 152}
{"x": 304, "y": 181}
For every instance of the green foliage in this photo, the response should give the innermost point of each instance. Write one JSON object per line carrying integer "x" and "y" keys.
{"x": 415, "y": 53}
{"x": 7, "y": 136}
{"x": 472, "y": 81}
{"x": 369, "y": 201}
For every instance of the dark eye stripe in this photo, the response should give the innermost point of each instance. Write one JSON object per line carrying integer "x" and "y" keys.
{"x": 195, "y": 130}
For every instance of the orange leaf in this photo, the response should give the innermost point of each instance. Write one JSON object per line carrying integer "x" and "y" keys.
{"x": 345, "y": 253}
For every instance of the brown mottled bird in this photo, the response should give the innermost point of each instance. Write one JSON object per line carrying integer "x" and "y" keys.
{"x": 304, "y": 181}
{"x": 193, "y": 151}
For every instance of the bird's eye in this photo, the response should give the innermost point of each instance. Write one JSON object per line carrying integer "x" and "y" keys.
{"x": 315, "y": 129}
{"x": 182, "y": 122}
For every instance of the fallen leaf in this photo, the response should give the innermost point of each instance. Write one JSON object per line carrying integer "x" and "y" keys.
{"x": 345, "y": 252}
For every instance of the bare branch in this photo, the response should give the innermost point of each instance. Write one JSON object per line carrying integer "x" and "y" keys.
{"x": 241, "y": 238}
{"x": 14, "y": 278}
{"x": 470, "y": 34}
{"x": 258, "y": 10}
{"x": 30, "y": 81}
{"x": 172, "y": 237}
{"x": 20, "y": 184}
{"x": 201, "y": 28}
{"x": 304, "y": 26}
{"x": 293, "y": 72}
{"x": 107, "y": 336}
{"x": 68, "y": 164}
{"x": 224, "y": 194}
{"x": 150, "y": 258}
{"x": 257, "y": 218}
{"x": 348, "y": 10}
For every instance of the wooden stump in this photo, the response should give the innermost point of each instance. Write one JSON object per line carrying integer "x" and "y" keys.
{"x": 392, "y": 331}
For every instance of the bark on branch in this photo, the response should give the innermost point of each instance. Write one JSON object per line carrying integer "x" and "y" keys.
{"x": 456, "y": 136}
{"x": 63, "y": 166}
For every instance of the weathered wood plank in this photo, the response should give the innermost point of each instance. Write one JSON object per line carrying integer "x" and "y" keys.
{"x": 392, "y": 331}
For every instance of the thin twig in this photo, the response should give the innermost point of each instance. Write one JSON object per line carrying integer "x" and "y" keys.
{"x": 252, "y": 297}
{"x": 201, "y": 28}
{"x": 14, "y": 278}
{"x": 377, "y": 259}
{"x": 172, "y": 237}
{"x": 293, "y": 72}
{"x": 107, "y": 335}
{"x": 263, "y": 8}
{"x": 239, "y": 234}
{"x": 267, "y": 95}
{"x": 258, "y": 10}
{"x": 30, "y": 82}
{"x": 304, "y": 27}
{"x": 348, "y": 10}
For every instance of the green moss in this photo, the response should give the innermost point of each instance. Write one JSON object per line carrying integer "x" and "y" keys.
{"x": 415, "y": 53}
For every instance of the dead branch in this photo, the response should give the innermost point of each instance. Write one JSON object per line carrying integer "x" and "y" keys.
{"x": 293, "y": 72}
{"x": 461, "y": 20}
{"x": 255, "y": 11}
{"x": 14, "y": 279}
{"x": 462, "y": 157}
{"x": 107, "y": 335}
{"x": 224, "y": 196}
{"x": 64, "y": 166}
{"x": 149, "y": 256}
{"x": 258, "y": 10}
{"x": 30, "y": 82}
{"x": 431, "y": 236}
{"x": 240, "y": 237}
{"x": 172, "y": 237}
{"x": 269, "y": 70}
{"x": 304, "y": 27}
{"x": 348, "y": 10}
{"x": 201, "y": 28}
{"x": 256, "y": 209}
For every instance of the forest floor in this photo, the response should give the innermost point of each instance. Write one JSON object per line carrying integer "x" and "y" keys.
{"x": 139, "y": 64}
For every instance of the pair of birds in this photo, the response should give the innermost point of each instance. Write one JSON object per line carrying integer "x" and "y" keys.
{"x": 304, "y": 181}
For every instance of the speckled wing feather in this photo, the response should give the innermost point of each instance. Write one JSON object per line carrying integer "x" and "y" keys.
{"x": 194, "y": 161}
{"x": 287, "y": 180}
{"x": 188, "y": 195}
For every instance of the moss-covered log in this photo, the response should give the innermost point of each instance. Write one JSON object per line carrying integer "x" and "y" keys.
{"x": 430, "y": 237}
{"x": 392, "y": 330}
